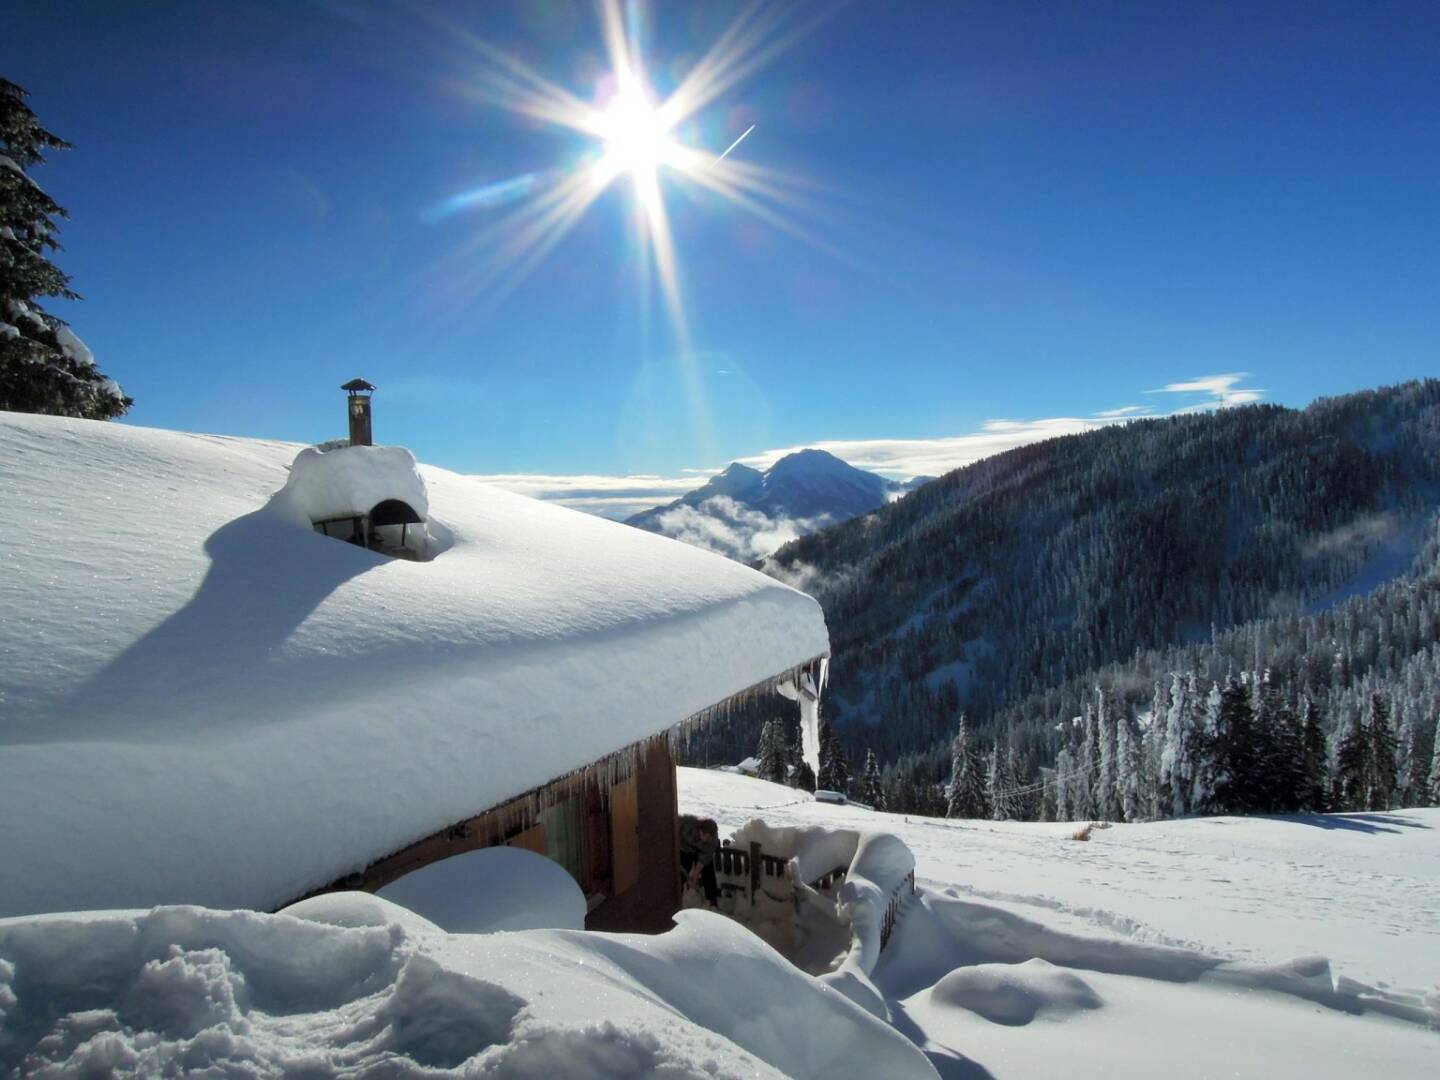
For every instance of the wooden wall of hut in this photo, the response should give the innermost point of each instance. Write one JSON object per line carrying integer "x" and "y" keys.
{"x": 627, "y": 826}
{"x": 648, "y": 904}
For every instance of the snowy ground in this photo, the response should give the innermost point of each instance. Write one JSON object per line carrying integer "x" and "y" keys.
{"x": 1168, "y": 947}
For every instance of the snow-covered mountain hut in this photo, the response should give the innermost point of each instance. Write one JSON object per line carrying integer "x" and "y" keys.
{"x": 203, "y": 700}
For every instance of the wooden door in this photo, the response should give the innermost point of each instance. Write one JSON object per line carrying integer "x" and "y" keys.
{"x": 625, "y": 834}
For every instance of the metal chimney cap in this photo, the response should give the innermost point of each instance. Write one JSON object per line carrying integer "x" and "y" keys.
{"x": 358, "y": 386}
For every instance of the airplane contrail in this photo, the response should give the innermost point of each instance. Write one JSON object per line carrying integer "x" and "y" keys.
{"x": 732, "y": 146}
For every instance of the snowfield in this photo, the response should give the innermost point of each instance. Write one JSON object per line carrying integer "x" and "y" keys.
{"x": 1304, "y": 947}
{"x": 1001, "y": 964}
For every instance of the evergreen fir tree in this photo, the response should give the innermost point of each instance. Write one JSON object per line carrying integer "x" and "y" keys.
{"x": 771, "y": 752}
{"x": 1380, "y": 740}
{"x": 1207, "y": 768}
{"x": 1128, "y": 770}
{"x": 1176, "y": 778}
{"x": 967, "y": 792}
{"x": 1239, "y": 782}
{"x": 1064, "y": 778}
{"x": 834, "y": 762}
{"x": 1351, "y": 765}
{"x": 803, "y": 777}
{"x": 44, "y": 367}
{"x": 1434, "y": 777}
{"x": 1024, "y": 806}
{"x": 1107, "y": 790}
{"x": 794, "y": 753}
{"x": 1285, "y": 751}
{"x": 1315, "y": 785}
{"x": 1087, "y": 766}
{"x": 872, "y": 792}
{"x": 998, "y": 784}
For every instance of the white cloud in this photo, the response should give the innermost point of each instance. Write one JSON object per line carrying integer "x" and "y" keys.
{"x": 620, "y": 496}
{"x": 906, "y": 458}
{"x": 1221, "y": 390}
{"x": 722, "y": 525}
{"x": 608, "y": 496}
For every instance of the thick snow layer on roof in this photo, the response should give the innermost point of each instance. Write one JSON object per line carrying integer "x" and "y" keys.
{"x": 203, "y": 701}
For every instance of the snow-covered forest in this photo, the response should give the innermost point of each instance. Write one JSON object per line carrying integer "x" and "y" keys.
{"x": 1064, "y": 596}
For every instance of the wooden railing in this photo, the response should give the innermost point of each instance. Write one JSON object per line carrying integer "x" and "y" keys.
{"x": 756, "y": 865}
{"x": 892, "y": 909}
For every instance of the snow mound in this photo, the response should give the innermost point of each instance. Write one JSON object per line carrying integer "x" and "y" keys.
{"x": 1015, "y": 994}
{"x": 188, "y": 991}
{"x": 499, "y": 888}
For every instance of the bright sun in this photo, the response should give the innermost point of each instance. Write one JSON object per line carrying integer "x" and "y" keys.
{"x": 637, "y": 135}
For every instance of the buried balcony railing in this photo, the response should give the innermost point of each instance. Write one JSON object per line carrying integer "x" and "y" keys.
{"x": 892, "y": 909}
{"x": 756, "y": 866}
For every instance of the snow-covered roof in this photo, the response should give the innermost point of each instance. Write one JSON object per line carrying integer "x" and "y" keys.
{"x": 204, "y": 701}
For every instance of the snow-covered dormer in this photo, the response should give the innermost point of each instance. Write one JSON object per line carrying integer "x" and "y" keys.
{"x": 372, "y": 496}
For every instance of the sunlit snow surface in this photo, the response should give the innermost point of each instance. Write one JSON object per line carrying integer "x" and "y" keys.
{"x": 1286, "y": 947}
{"x": 204, "y": 701}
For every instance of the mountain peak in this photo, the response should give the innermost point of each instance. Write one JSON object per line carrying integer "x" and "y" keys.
{"x": 802, "y": 491}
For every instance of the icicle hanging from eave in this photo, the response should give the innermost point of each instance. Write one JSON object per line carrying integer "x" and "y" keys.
{"x": 805, "y": 685}
{"x": 809, "y": 676}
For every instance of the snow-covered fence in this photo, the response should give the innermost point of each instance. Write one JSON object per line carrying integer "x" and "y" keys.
{"x": 880, "y": 874}
{"x": 866, "y": 874}
{"x": 892, "y": 910}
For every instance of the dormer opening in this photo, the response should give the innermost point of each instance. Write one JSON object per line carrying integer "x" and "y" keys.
{"x": 370, "y": 496}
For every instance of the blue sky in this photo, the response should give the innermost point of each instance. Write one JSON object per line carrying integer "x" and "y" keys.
{"x": 1035, "y": 213}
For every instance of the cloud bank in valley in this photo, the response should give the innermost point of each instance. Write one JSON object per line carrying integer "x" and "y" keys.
{"x": 901, "y": 459}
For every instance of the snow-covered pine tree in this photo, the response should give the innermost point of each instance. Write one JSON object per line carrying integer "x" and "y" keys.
{"x": 834, "y": 762}
{"x": 1284, "y": 787}
{"x": 1107, "y": 789}
{"x": 44, "y": 367}
{"x": 967, "y": 791}
{"x": 872, "y": 791}
{"x": 1024, "y": 806}
{"x": 1238, "y": 787}
{"x": 1048, "y": 794}
{"x": 1351, "y": 764}
{"x": 1127, "y": 755}
{"x": 1405, "y": 745}
{"x": 1206, "y": 768}
{"x": 1152, "y": 751}
{"x": 998, "y": 784}
{"x": 1315, "y": 785}
{"x": 1064, "y": 779}
{"x": 771, "y": 752}
{"x": 1087, "y": 766}
{"x": 1434, "y": 777}
{"x": 794, "y": 753}
{"x": 1380, "y": 739}
{"x": 803, "y": 777}
{"x": 1176, "y": 779}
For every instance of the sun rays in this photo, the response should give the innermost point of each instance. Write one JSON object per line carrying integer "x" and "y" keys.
{"x": 629, "y": 134}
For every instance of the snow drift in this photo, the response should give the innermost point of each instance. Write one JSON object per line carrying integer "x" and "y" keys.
{"x": 361, "y": 987}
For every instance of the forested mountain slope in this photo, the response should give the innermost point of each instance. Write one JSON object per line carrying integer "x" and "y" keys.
{"x": 1030, "y": 570}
